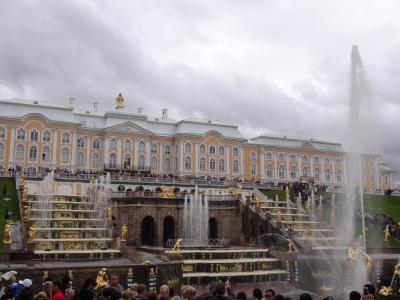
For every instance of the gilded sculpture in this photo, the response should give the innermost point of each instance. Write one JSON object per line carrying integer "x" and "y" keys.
{"x": 124, "y": 233}
{"x": 7, "y": 233}
{"x": 119, "y": 101}
{"x": 26, "y": 213}
{"x": 177, "y": 247}
{"x": 102, "y": 279}
{"x": 109, "y": 212}
{"x": 91, "y": 183}
{"x": 32, "y": 233}
{"x": 167, "y": 192}
{"x": 386, "y": 233}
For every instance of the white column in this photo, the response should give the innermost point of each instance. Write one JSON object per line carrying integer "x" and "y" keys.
{"x": 106, "y": 145}
{"x": 311, "y": 166}
{"x": 160, "y": 161}
{"x": 180, "y": 160}
{"x": 323, "y": 170}
{"x": 54, "y": 152}
{"x": 73, "y": 145}
{"x": 241, "y": 161}
{"x": 12, "y": 144}
{"x": 119, "y": 153}
{"x": 262, "y": 162}
{"x": 298, "y": 167}
{"x": 227, "y": 162}
{"x": 136, "y": 153}
{"x": 88, "y": 157}
{"x": 196, "y": 159}
{"x": 276, "y": 172}
{"x": 287, "y": 173}
{"x": 148, "y": 156}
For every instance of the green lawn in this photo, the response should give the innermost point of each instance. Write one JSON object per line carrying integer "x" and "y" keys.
{"x": 9, "y": 201}
{"x": 271, "y": 194}
{"x": 375, "y": 237}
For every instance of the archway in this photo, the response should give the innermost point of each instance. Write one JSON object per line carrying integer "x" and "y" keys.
{"x": 168, "y": 229}
{"x": 148, "y": 231}
{"x": 213, "y": 228}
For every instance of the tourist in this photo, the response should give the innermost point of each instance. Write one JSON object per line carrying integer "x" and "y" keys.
{"x": 107, "y": 292}
{"x": 206, "y": 296}
{"x": 306, "y": 296}
{"x": 48, "y": 288}
{"x": 354, "y": 295}
{"x": 191, "y": 293}
{"x": 152, "y": 295}
{"x": 371, "y": 289}
{"x": 176, "y": 298}
{"x": 25, "y": 293}
{"x": 164, "y": 291}
{"x": 41, "y": 296}
{"x": 219, "y": 293}
{"x": 11, "y": 286}
{"x": 116, "y": 295}
{"x": 184, "y": 291}
{"x": 279, "y": 297}
{"x": 141, "y": 292}
{"x": 257, "y": 294}
{"x": 241, "y": 296}
{"x": 87, "y": 290}
{"x": 114, "y": 282}
{"x": 57, "y": 293}
{"x": 128, "y": 294}
{"x": 270, "y": 294}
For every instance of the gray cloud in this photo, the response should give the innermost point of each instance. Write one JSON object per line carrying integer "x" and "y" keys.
{"x": 273, "y": 66}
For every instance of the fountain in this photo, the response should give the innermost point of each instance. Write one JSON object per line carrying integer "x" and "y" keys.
{"x": 195, "y": 220}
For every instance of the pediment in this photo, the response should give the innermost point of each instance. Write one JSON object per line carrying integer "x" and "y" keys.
{"x": 128, "y": 127}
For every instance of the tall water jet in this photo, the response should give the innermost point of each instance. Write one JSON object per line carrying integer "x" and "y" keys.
{"x": 195, "y": 220}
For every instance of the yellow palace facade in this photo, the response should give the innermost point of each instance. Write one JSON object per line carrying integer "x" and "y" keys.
{"x": 37, "y": 135}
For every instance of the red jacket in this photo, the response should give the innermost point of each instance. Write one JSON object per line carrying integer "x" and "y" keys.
{"x": 58, "y": 296}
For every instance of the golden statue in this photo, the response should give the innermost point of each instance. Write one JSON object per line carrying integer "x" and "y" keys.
{"x": 124, "y": 233}
{"x": 385, "y": 291}
{"x": 167, "y": 192}
{"x": 91, "y": 183}
{"x": 24, "y": 194}
{"x": 397, "y": 270}
{"x": 7, "y": 233}
{"x": 31, "y": 233}
{"x": 177, "y": 247}
{"x": 386, "y": 233}
{"x": 292, "y": 248}
{"x": 307, "y": 232}
{"x": 119, "y": 101}
{"x": 257, "y": 200}
{"x": 26, "y": 212}
{"x": 109, "y": 212}
{"x": 21, "y": 181}
{"x": 101, "y": 279}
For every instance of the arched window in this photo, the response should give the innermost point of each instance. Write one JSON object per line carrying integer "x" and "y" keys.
{"x": 270, "y": 171}
{"x": 221, "y": 150}
{"x": 167, "y": 149}
{"x": 282, "y": 157}
{"x": 46, "y": 153}
{"x": 2, "y": 151}
{"x": 167, "y": 164}
{"x": 141, "y": 162}
{"x": 188, "y": 163}
{"x": 127, "y": 161}
{"x": 293, "y": 157}
{"x": 153, "y": 148}
{"x": 253, "y": 169}
{"x": 96, "y": 144}
{"x": 317, "y": 173}
{"x": 338, "y": 162}
{"x": 2, "y": 132}
{"x": 202, "y": 165}
{"x": 80, "y": 159}
{"x": 153, "y": 163}
{"x": 113, "y": 161}
{"x": 235, "y": 166}
{"x": 212, "y": 164}
{"x": 293, "y": 172}
{"x": 20, "y": 152}
{"x": 65, "y": 138}
{"x": 95, "y": 160}
{"x": 65, "y": 155}
{"x": 222, "y": 165}
{"x": 235, "y": 151}
{"x": 202, "y": 149}
{"x": 281, "y": 172}
{"x": 269, "y": 156}
{"x": 316, "y": 160}
{"x": 113, "y": 144}
{"x": 253, "y": 155}
{"x": 212, "y": 149}
{"x": 21, "y": 134}
{"x": 328, "y": 175}
{"x": 188, "y": 148}
{"x": 339, "y": 176}
{"x": 142, "y": 146}
{"x": 305, "y": 172}
{"x": 128, "y": 145}
{"x": 34, "y": 135}
{"x": 46, "y": 136}
{"x": 32, "y": 152}
{"x": 305, "y": 159}
{"x": 80, "y": 142}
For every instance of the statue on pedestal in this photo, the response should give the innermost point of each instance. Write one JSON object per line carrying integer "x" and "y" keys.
{"x": 386, "y": 233}
{"x": 31, "y": 233}
{"x": 109, "y": 212}
{"x": 101, "y": 279}
{"x": 124, "y": 233}
{"x": 177, "y": 247}
{"x": 7, "y": 233}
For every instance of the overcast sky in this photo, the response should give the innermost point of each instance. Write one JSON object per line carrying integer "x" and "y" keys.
{"x": 278, "y": 67}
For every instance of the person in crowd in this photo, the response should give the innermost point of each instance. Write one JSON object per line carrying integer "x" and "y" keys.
{"x": 116, "y": 295}
{"x": 279, "y": 297}
{"x": 86, "y": 292}
{"x": 128, "y": 294}
{"x": 25, "y": 293}
{"x": 219, "y": 293}
{"x": 41, "y": 296}
{"x": 306, "y": 296}
{"x": 141, "y": 292}
{"x": 171, "y": 291}
{"x": 164, "y": 291}
{"x": 270, "y": 294}
{"x": 354, "y": 295}
{"x": 48, "y": 288}
{"x": 114, "y": 282}
{"x": 257, "y": 294}
{"x": 206, "y": 296}
{"x": 57, "y": 293}
{"x": 191, "y": 293}
{"x": 241, "y": 296}
{"x": 107, "y": 292}
{"x": 152, "y": 295}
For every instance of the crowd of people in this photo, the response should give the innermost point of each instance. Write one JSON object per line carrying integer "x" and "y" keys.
{"x": 50, "y": 289}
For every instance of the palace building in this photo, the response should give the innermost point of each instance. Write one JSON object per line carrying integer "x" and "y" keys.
{"x": 37, "y": 135}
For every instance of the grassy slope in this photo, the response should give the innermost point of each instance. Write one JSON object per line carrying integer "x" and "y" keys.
{"x": 12, "y": 204}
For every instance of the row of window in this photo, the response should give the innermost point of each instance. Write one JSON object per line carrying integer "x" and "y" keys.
{"x": 305, "y": 172}
{"x": 305, "y": 159}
